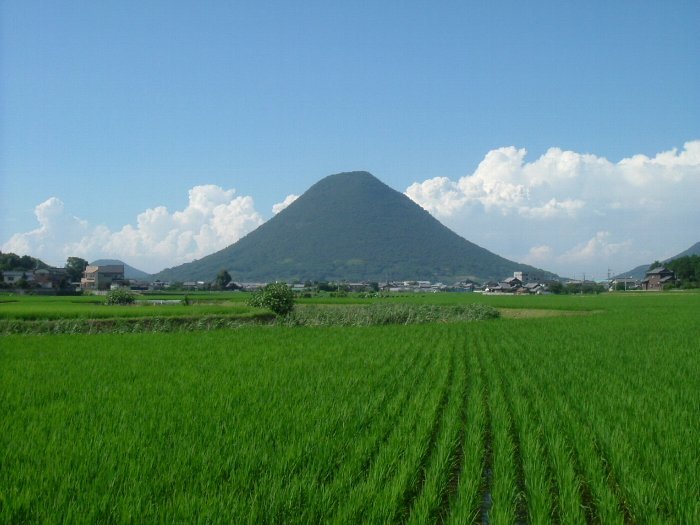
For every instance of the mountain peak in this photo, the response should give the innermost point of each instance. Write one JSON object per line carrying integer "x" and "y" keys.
{"x": 342, "y": 186}
{"x": 350, "y": 175}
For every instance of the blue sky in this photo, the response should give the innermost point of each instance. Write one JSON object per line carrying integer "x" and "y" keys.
{"x": 118, "y": 116}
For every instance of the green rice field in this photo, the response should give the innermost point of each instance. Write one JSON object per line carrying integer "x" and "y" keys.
{"x": 577, "y": 409}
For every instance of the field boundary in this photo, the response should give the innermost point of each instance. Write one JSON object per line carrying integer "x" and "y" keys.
{"x": 536, "y": 313}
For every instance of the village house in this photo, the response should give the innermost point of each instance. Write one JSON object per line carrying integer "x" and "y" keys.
{"x": 465, "y": 286}
{"x": 195, "y": 286}
{"x": 13, "y": 278}
{"x": 657, "y": 278}
{"x": 353, "y": 287}
{"x": 512, "y": 282}
{"x": 51, "y": 278}
{"x": 534, "y": 288}
{"x": 102, "y": 277}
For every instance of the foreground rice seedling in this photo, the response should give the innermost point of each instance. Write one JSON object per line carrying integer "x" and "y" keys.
{"x": 588, "y": 419}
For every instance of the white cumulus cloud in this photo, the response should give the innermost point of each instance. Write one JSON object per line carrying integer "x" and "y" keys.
{"x": 538, "y": 254}
{"x": 553, "y": 208}
{"x": 587, "y": 211}
{"x": 213, "y": 219}
{"x": 276, "y": 208}
{"x": 597, "y": 247}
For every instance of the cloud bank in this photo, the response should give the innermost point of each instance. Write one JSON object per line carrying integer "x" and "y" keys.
{"x": 568, "y": 212}
{"x": 213, "y": 219}
{"x": 573, "y": 212}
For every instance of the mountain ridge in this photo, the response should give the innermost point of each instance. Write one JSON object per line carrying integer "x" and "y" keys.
{"x": 350, "y": 226}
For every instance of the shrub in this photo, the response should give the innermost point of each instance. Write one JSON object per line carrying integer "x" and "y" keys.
{"x": 277, "y": 297}
{"x": 120, "y": 296}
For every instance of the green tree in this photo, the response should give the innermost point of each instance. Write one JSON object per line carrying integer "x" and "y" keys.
{"x": 277, "y": 297}
{"x": 556, "y": 287}
{"x": 325, "y": 286}
{"x": 222, "y": 279}
{"x": 9, "y": 261}
{"x": 75, "y": 266}
{"x": 27, "y": 262}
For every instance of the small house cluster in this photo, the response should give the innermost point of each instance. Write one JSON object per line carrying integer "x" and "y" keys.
{"x": 46, "y": 279}
{"x": 54, "y": 280}
{"x": 522, "y": 283}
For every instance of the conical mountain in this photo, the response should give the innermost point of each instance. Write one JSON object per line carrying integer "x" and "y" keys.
{"x": 350, "y": 226}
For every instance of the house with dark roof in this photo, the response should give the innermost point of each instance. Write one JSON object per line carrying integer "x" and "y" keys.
{"x": 657, "y": 278}
{"x": 535, "y": 288}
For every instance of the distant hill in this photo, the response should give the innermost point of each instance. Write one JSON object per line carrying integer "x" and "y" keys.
{"x": 350, "y": 226}
{"x": 640, "y": 271}
{"x": 129, "y": 271}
